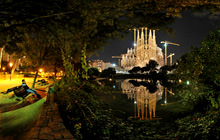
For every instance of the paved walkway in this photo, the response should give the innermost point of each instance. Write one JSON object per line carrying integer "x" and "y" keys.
{"x": 49, "y": 126}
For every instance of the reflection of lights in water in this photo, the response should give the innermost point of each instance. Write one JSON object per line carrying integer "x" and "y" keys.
{"x": 165, "y": 101}
{"x": 113, "y": 86}
{"x": 144, "y": 101}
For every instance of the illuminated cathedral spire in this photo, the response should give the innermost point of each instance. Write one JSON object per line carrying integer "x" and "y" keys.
{"x": 150, "y": 41}
{"x": 135, "y": 39}
{"x": 142, "y": 36}
{"x": 145, "y": 41}
{"x": 138, "y": 38}
{"x": 154, "y": 39}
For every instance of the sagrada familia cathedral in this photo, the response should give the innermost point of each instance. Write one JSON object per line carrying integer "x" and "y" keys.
{"x": 145, "y": 49}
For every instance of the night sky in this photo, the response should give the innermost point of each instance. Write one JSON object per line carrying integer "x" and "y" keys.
{"x": 188, "y": 31}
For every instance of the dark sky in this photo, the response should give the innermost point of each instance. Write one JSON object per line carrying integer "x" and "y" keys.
{"x": 189, "y": 31}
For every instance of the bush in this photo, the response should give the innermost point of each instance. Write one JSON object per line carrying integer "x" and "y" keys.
{"x": 84, "y": 115}
{"x": 199, "y": 126}
{"x": 195, "y": 94}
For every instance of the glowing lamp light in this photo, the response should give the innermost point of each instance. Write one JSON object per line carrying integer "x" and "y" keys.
{"x": 165, "y": 101}
{"x": 113, "y": 64}
{"x": 113, "y": 86}
{"x": 10, "y": 64}
{"x": 41, "y": 70}
{"x": 187, "y": 82}
{"x": 165, "y": 44}
{"x": 134, "y": 44}
{"x": 135, "y": 102}
{"x": 3, "y": 68}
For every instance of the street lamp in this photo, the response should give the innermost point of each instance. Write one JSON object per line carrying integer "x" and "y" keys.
{"x": 10, "y": 64}
{"x": 3, "y": 69}
{"x": 41, "y": 70}
{"x": 187, "y": 82}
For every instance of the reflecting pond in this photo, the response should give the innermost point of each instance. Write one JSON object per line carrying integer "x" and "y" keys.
{"x": 140, "y": 99}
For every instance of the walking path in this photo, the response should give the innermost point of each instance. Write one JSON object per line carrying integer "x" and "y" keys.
{"x": 49, "y": 126}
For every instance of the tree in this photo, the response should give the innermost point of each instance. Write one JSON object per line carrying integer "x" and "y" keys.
{"x": 93, "y": 72}
{"x": 110, "y": 72}
{"x": 153, "y": 65}
{"x": 78, "y": 23}
{"x": 210, "y": 58}
{"x": 145, "y": 69}
{"x": 88, "y": 22}
{"x": 135, "y": 70}
{"x": 185, "y": 70}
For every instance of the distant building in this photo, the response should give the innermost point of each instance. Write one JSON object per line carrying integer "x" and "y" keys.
{"x": 108, "y": 65}
{"x": 99, "y": 64}
{"x": 145, "y": 49}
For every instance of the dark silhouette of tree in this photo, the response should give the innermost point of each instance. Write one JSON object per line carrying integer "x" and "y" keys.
{"x": 145, "y": 69}
{"x": 110, "y": 72}
{"x": 93, "y": 72}
{"x": 135, "y": 70}
{"x": 153, "y": 65}
{"x": 79, "y": 23}
{"x": 202, "y": 64}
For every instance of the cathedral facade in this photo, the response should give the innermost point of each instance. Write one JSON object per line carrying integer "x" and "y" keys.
{"x": 145, "y": 49}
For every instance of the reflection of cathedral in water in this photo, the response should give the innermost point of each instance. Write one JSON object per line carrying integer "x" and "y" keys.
{"x": 144, "y": 101}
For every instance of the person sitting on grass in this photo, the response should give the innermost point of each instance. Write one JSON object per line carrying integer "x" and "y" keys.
{"x": 25, "y": 86}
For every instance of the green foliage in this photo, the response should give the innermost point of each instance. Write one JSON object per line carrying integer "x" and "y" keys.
{"x": 82, "y": 21}
{"x": 84, "y": 72}
{"x": 69, "y": 67}
{"x": 194, "y": 93}
{"x": 199, "y": 126}
{"x": 88, "y": 118}
{"x": 84, "y": 111}
{"x": 203, "y": 75}
{"x": 215, "y": 101}
{"x": 206, "y": 64}
{"x": 185, "y": 70}
{"x": 210, "y": 55}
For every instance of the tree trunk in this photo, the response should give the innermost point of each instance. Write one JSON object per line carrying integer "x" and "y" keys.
{"x": 1, "y": 53}
{"x": 35, "y": 78}
{"x": 55, "y": 70}
{"x": 17, "y": 62}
